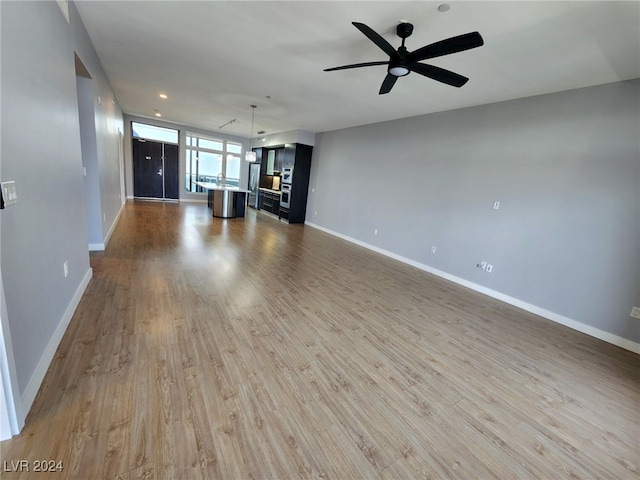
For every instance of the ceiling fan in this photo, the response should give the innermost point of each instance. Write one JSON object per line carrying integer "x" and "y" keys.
{"x": 401, "y": 62}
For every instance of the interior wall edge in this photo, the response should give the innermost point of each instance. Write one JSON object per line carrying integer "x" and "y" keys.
{"x": 9, "y": 378}
{"x": 542, "y": 312}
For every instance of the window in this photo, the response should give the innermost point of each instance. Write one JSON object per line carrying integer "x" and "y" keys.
{"x": 151, "y": 132}
{"x": 207, "y": 157}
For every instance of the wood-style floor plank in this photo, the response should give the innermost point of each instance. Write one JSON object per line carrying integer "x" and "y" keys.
{"x": 249, "y": 348}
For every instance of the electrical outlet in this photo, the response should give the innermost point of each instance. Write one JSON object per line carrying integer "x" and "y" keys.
{"x": 315, "y": 213}
{"x": 496, "y": 205}
{"x": 65, "y": 266}
{"x": 487, "y": 267}
{"x": 375, "y": 231}
{"x": 433, "y": 249}
{"x": 635, "y": 312}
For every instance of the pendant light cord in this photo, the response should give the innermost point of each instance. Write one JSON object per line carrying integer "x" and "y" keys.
{"x": 253, "y": 113}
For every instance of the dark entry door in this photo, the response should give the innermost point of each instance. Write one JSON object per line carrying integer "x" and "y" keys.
{"x": 147, "y": 169}
{"x": 155, "y": 169}
{"x": 171, "y": 171}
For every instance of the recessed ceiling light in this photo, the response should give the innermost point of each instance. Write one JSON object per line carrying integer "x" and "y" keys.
{"x": 158, "y": 114}
{"x": 443, "y": 7}
{"x": 163, "y": 95}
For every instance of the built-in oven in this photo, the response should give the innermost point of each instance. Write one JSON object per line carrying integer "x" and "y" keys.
{"x": 285, "y": 196}
{"x": 287, "y": 174}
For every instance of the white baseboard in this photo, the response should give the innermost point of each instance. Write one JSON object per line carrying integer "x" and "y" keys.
{"x": 112, "y": 228}
{"x": 35, "y": 382}
{"x": 99, "y": 247}
{"x": 549, "y": 315}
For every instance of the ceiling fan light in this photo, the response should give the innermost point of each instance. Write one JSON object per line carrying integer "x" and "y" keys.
{"x": 399, "y": 71}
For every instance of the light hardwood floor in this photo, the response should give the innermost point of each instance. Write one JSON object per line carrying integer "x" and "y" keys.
{"x": 248, "y": 348}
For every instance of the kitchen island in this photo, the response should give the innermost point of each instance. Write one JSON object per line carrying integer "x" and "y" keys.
{"x": 225, "y": 201}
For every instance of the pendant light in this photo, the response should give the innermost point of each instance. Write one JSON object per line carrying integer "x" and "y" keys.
{"x": 250, "y": 155}
{"x": 230, "y": 156}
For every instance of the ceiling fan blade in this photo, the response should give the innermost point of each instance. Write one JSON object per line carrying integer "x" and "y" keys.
{"x": 439, "y": 74}
{"x": 356, "y": 65}
{"x": 376, "y": 38}
{"x": 387, "y": 84}
{"x": 445, "y": 47}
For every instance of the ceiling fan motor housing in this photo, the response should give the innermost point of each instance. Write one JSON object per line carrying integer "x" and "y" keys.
{"x": 404, "y": 30}
{"x": 398, "y": 63}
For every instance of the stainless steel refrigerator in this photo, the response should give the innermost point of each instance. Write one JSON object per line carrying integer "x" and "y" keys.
{"x": 254, "y": 183}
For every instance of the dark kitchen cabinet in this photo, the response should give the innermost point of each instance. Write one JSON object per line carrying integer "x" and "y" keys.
{"x": 269, "y": 201}
{"x": 271, "y": 159}
{"x": 294, "y": 154}
{"x": 258, "y": 152}
{"x": 277, "y": 164}
{"x": 261, "y": 158}
{"x": 301, "y": 155}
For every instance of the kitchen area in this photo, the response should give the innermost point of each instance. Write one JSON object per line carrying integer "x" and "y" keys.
{"x": 278, "y": 185}
{"x": 279, "y": 181}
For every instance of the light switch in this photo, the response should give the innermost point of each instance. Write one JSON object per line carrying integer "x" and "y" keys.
{"x": 9, "y": 195}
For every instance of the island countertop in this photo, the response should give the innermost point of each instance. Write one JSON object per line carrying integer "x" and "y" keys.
{"x": 226, "y": 188}
{"x": 277, "y": 192}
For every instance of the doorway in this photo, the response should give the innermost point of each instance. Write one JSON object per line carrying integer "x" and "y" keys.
{"x": 155, "y": 170}
{"x": 89, "y": 149}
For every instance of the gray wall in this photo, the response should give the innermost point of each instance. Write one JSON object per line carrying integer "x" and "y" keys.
{"x": 565, "y": 167}
{"x": 41, "y": 151}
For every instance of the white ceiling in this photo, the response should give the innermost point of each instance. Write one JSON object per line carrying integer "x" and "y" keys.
{"x": 215, "y": 59}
